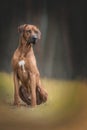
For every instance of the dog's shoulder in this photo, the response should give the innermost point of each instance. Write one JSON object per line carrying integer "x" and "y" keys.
{"x": 15, "y": 57}
{"x": 16, "y": 53}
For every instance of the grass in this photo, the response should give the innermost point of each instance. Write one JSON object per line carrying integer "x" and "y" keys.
{"x": 65, "y": 101}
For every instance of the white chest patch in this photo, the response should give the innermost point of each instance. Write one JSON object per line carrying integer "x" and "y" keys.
{"x": 22, "y": 64}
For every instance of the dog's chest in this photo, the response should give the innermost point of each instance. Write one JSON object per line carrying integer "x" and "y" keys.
{"x": 22, "y": 72}
{"x": 27, "y": 65}
{"x": 24, "y": 64}
{"x": 21, "y": 64}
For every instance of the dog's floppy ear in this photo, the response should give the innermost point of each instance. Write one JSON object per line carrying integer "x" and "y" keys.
{"x": 21, "y": 28}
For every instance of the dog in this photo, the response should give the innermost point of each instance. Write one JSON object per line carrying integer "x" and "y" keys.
{"x": 26, "y": 76}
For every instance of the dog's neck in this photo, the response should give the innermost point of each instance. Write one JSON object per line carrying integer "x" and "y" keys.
{"x": 24, "y": 47}
{"x": 23, "y": 42}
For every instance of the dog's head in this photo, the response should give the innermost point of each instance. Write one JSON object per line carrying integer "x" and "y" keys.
{"x": 30, "y": 33}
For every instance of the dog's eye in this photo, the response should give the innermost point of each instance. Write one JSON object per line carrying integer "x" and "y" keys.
{"x": 28, "y": 31}
{"x": 36, "y": 31}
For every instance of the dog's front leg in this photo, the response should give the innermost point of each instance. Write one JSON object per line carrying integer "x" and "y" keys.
{"x": 33, "y": 89}
{"x": 16, "y": 89}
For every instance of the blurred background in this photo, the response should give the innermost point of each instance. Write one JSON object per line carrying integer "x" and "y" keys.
{"x": 61, "y": 57}
{"x": 61, "y": 52}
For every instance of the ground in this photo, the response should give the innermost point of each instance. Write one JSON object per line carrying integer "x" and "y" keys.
{"x": 66, "y": 108}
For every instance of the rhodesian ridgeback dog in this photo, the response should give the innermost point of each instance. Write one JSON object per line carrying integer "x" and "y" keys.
{"x": 26, "y": 76}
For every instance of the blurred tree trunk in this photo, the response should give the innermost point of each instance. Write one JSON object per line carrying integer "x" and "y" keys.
{"x": 49, "y": 48}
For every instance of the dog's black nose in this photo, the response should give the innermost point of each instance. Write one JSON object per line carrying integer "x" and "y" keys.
{"x": 34, "y": 38}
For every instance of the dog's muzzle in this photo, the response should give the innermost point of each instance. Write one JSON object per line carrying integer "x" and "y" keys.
{"x": 32, "y": 40}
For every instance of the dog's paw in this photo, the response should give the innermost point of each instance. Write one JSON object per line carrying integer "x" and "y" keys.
{"x": 43, "y": 94}
{"x": 16, "y": 103}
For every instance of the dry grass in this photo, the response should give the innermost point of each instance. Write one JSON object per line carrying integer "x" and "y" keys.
{"x": 65, "y": 105}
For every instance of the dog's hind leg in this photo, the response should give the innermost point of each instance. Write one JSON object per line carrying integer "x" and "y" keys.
{"x": 24, "y": 95}
{"x": 43, "y": 93}
{"x": 39, "y": 97}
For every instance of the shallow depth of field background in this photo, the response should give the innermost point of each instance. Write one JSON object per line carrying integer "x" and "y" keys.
{"x": 62, "y": 60}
